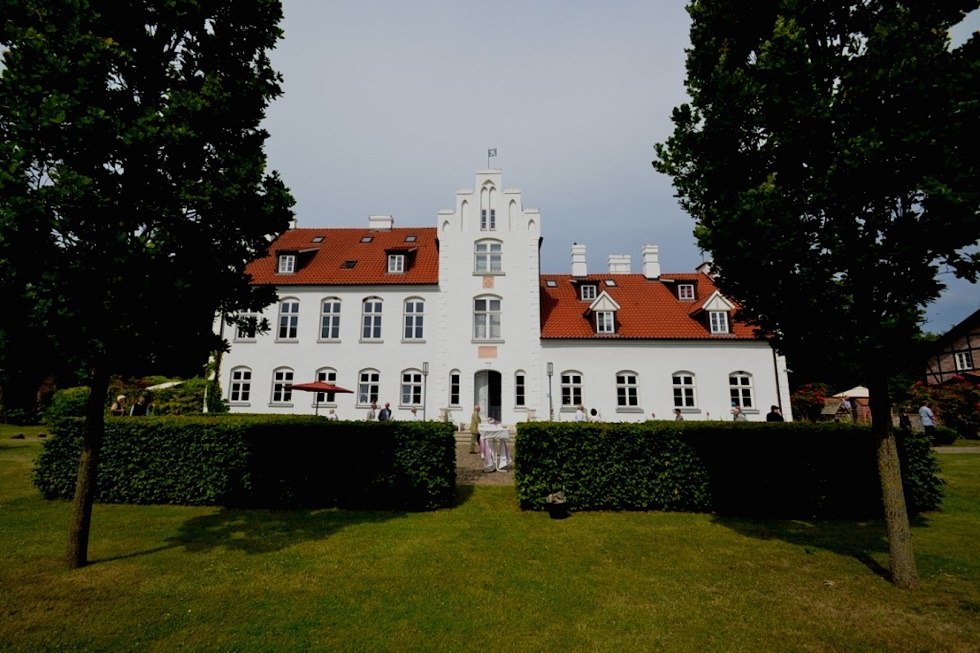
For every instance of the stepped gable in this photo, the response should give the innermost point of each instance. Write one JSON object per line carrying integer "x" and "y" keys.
{"x": 345, "y": 257}
{"x": 648, "y": 308}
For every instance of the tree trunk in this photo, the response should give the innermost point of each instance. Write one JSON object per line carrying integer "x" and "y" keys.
{"x": 901, "y": 559}
{"x": 88, "y": 468}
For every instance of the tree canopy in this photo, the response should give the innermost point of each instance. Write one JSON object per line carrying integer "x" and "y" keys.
{"x": 133, "y": 182}
{"x": 826, "y": 157}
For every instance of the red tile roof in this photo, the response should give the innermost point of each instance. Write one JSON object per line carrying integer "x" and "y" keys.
{"x": 649, "y": 308}
{"x": 327, "y": 262}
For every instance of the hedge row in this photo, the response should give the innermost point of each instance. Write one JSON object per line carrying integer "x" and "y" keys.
{"x": 267, "y": 461}
{"x": 774, "y": 470}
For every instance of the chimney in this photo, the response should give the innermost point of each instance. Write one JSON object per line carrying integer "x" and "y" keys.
{"x": 380, "y": 222}
{"x": 651, "y": 261}
{"x": 579, "y": 268}
{"x": 619, "y": 264}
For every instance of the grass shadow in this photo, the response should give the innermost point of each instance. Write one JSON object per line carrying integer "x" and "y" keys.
{"x": 861, "y": 540}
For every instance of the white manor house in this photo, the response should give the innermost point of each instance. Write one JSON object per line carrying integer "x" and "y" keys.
{"x": 442, "y": 318}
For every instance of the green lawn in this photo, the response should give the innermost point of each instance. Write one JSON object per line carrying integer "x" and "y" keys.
{"x": 483, "y": 576}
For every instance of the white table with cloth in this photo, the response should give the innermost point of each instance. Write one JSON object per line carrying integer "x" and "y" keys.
{"x": 494, "y": 448}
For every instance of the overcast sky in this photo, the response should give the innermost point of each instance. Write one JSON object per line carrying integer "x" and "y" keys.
{"x": 390, "y": 107}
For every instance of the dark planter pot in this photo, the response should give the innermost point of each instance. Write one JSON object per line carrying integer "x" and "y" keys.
{"x": 558, "y": 510}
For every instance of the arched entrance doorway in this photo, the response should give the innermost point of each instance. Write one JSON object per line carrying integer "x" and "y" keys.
{"x": 486, "y": 392}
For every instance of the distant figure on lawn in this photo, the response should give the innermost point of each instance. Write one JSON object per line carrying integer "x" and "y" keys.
{"x": 140, "y": 408}
{"x": 775, "y": 415}
{"x": 372, "y": 413}
{"x": 118, "y": 408}
{"x": 475, "y": 429}
{"x": 738, "y": 415}
{"x": 677, "y": 415}
{"x": 928, "y": 420}
{"x": 385, "y": 413}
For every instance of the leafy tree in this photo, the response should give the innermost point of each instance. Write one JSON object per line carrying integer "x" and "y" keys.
{"x": 133, "y": 186}
{"x": 826, "y": 157}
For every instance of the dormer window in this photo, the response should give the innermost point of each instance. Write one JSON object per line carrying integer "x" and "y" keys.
{"x": 605, "y": 322}
{"x": 396, "y": 263}
{"x": 685, "y": 292}
{"x": 588, "y": 292}
{"x": 287, "y": 263}
{"x": 718, "y": 321}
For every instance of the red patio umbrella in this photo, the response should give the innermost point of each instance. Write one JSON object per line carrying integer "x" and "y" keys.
{"x": 317, "y": 386}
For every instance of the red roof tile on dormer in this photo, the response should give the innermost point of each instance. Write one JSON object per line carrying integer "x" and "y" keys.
{"x": 328, "y": 262}
{"x": 649, "y": 308}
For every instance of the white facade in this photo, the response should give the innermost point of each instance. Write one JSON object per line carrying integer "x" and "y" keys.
{"x": 481, "y": 336}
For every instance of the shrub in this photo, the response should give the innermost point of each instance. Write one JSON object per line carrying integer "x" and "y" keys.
{"x": 66, "y": 403}
{"x": 944, "y": 436}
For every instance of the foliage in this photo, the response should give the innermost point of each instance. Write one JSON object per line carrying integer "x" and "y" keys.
{"x": 66, "y": 403}
{"x": 772, "y": 470}
{"x": 956, "y": 403}
{"x": 808, "y": 400}
{"x": 272, "y": 461}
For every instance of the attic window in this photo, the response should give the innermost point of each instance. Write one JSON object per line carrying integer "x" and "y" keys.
{"x": 718, "y": 321}
{"x": 396, "y": 263}
{"x": 317, "y": 239}
{"x": 551, "y": 283}
{"x": 367, "y": 239}
{"x": 587, "y": 292}
{"x": 287, "y": 263}
{"x": 610, "y": 283}
{"x": 605, "y": 322}
{"x": 410, "y": 238}
{"x": 685, "y": 292}
{"x": 348, "y": 264}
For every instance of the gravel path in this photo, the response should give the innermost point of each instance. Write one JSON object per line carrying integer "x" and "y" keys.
{"x": 469, "y": 466}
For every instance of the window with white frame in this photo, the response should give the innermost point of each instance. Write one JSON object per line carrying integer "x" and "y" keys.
{"x": 326, "y": 375}
{"x": 288, "y": 319}
{"x": 245, "y": 326}
{"x": 627, "y": 390}
{"x": 587, "y": 291}
{"x": 368, "y": 384}
{"x": 486, "y": 318}
{"x": 411, "y": 388}
{"x": 287, "y": 263}
{"x": 487, "y": 256}
{"x": 740, "y": 389}
{"x": 371, "y": 319}
{"x": 454, "y": 391}
{"x": 414, "y": 319}
{"x": 520, "y": 389}
{"x": 488, "y": 219}
{"x": 964, "y": 360}
{"x": 571, "y": 388}
{"x": 282, "y": 377}
{"x": 330, "y": 319}
{"x": 396, "y": 263}
{"x": 605, "y": 322}
{"x": 685, "y": 292}
{"x": 683, "y": 385}
{"x": 241, "y": 385}
{"x": 718, "y": 321}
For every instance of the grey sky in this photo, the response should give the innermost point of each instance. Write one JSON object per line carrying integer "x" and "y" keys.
{"x": 390, "y": 107}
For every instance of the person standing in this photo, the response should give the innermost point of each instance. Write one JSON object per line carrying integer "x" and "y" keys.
{"x": 385, "y": 414}
{"x": 738, "y": 415}
{"x": 677, "y": 415}
{"x": 580, "y": 415}
{"x": 775, "y": 415}
{"x": 475, "y": 429}
{"x": 140, "y": 408}
{"x": 415, "y": 417}
{"x": 372, "y": 413}
{"x": 118, "y": 408}
{"x": 928, "y": 420}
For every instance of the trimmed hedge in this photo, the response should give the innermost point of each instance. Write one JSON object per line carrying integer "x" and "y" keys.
{"x": 773, "y": 470}
{"x": 260, "y": 461}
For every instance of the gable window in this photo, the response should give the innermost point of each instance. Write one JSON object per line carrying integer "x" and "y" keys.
{"x": 371, "y": 319}
{"x": 245, "y": 326}
{"x": 330, "y": 319}
{"x": 685, "y": 292}
{"x": 718, "y": 321}
{"x": 281, "y": 378}
{"x": 486, "y": 256}
{"x": 740, "y": 389}
{"x": 964, "y": 360}
{"x": 367, "y": 387}
{"x": 287, "y": 263}
{"x": 288, "y": 319}
{"x": 486, "y": 318}
{"x": 327, "y": 375}
{"x": 396, "y": 263}
{"x": 488, "y": 219}
{"x": 588, "y": 292}
{"x": 454, "y": 393}
{"x": 414, "y": 319}
{"x": 411, "y": 388}
{"x": 571, "y": 388}
{"x": 683, "y": 384}
{"x": 520, "y": 391}
{"x": 605, "y": 322}
{"x": 627, "y": 392}
{"x": 241, "y": 385}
